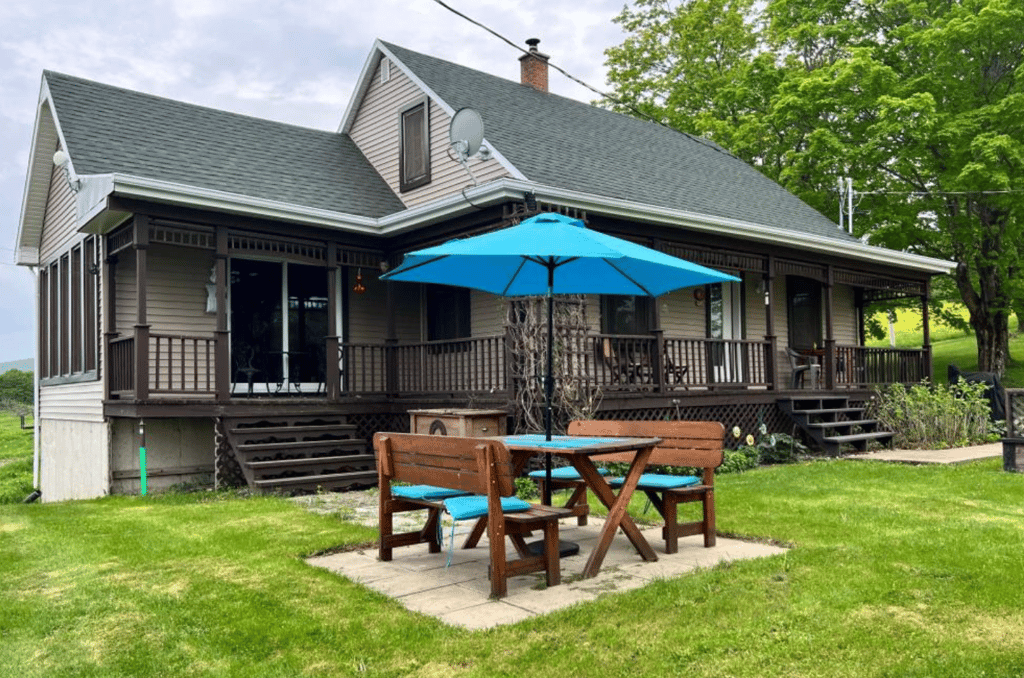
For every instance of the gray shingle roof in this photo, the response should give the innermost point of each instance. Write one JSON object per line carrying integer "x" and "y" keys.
{"x": 568, "y": 144}
{"x": 110, "y": 129}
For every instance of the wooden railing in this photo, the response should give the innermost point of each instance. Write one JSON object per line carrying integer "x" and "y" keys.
{"x": 121, "y": 365}
{"x": 180, "y": 363}
{"x": 475, "y": 365}
{"x": 864, "y": 366}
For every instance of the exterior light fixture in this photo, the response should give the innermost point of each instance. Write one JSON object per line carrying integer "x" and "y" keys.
{"x": 359, "y": 287}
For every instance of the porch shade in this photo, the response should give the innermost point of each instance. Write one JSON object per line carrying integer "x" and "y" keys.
{"x": 552, "y": 254}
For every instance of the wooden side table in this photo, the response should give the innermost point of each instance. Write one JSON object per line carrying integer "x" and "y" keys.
{"x": 459, "y": 422}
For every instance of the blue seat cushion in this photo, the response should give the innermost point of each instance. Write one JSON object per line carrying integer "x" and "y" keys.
{"x": 563, "y": 473}
{"x": 425, "y": 492}
{"x": 658, "y": 481}
{"x": 475, "y": 505}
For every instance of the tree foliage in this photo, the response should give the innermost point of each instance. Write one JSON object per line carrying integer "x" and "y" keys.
{"x": 920, "y": 101}
{"x": 16, "y": 388}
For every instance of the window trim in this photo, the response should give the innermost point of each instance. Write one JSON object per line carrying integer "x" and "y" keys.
{"x": 406, "y": 182}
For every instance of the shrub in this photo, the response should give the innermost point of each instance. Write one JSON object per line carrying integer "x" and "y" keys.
{"x": 526, "y": 489}
{"x": 933, "y": 416}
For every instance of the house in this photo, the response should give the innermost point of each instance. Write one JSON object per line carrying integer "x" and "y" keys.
{"x": 208, "y": 283}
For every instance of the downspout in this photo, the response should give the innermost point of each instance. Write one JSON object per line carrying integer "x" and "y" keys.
{"x": 35, "y": 388}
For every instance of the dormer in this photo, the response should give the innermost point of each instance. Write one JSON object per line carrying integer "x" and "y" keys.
{"x": 401, "y": 125}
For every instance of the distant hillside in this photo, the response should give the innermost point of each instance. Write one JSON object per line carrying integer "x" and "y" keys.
{"x": 24, "y": 365}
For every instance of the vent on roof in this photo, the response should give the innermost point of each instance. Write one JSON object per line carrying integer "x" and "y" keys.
{"x": 385, "y": 70}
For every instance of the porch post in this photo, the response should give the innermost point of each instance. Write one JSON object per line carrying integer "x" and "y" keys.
{"x": 332, "y": 371}
{"x": 140, "y": 245}
{"x": 657, "y": 360}
{"x": 926, "y": 338}
{"x": 107, "y": 296}
{"x": 222, "y": 338}
{"x": 390, "y": 343}
{"x": 830, "y": 341}
{"x": 769, "y": 322}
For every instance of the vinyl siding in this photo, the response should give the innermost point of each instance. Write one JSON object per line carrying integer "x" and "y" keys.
{"x": 376, "y": 132}
{"x": 60, "y": 218}
{"x": 80, "y": 401}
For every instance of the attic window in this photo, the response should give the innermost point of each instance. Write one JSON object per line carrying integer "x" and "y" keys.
{"x": 385, "y": 70}
{"x": 414, "y": 151}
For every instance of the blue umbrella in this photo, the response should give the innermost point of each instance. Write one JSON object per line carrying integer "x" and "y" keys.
{"x": 552, "y": 254}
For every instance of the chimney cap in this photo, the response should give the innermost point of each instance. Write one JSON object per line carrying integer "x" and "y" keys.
{"x": 533, "y": 42}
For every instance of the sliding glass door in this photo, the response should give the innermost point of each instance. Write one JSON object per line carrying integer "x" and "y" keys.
{"x": 278, "y": 326}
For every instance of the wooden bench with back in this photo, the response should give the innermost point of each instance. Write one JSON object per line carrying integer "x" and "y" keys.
{"x": 695, "y": 444}
{"x": 466, "y": 466}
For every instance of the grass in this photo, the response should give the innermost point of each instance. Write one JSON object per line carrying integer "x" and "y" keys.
{"x": 896, "y": 571}
{"x": 15, "y": 459}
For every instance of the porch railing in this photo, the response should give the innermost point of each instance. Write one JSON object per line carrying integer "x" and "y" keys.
{"x": 630, "y": 363}
{"x": 181, "y": 363}
{"x": 474, "y": 365}
{"x": 121, "y": 359}
{"x": 863, "y": 365}
{"x": 185, "y": 364}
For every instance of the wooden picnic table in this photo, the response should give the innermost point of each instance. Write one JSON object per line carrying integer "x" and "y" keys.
{"x": 579, "y": 450}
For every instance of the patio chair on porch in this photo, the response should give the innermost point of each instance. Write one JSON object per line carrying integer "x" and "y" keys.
{"x": 802, "y": 365}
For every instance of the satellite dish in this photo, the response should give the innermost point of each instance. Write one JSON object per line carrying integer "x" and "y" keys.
{"x": 466, "y": 132}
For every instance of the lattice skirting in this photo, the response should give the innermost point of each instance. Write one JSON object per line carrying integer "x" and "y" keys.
{"x": 226, "y": 470}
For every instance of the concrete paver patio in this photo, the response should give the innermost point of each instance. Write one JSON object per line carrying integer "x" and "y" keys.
{"x": 458, "y": 594}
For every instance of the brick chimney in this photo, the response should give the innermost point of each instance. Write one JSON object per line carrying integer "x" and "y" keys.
{"x": 533, "y": 67}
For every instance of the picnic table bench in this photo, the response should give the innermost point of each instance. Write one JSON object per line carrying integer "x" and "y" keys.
{"x": 469, "y": 478}
{"x": 684, "y": 443}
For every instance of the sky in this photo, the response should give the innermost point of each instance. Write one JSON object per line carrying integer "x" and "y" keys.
{"x": 293, "y": 61}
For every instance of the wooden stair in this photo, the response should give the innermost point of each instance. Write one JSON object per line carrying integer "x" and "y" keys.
{"x": 300, "y": 454}
{"x": 830, "y": 423}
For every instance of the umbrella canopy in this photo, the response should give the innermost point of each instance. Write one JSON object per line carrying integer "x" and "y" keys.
{"x": 552, "y": 254}
{"x": 552, "y": 249}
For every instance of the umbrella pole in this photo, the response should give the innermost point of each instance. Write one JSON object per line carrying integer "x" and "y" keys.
{"x": 549, "y": 381}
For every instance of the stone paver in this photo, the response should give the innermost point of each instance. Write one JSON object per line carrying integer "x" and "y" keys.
{"x": 458, "y": 594}
{"x": 956, "y": 455}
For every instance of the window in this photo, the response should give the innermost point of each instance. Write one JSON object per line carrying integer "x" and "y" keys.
{"x": 414, "y": 152}
{"x": 625, "y": 314}
{"x": 68, "y": 315}
{"x": 448, "y": 312}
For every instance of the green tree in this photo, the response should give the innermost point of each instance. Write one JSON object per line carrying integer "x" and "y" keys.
{"x": 16, "y": 386}
{"x": 920, "y": 101}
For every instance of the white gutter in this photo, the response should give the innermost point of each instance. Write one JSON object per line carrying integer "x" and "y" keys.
{"x": 95, "y": 189}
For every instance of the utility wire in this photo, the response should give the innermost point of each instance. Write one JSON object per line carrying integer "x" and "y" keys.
{"x": 603, "y": 95}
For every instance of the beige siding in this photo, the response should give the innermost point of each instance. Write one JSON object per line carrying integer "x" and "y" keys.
{"x": 844, "y": 316}
{"x": 488, "y": 314}
{"x": 74, "y": 461}
{"x": 80, "y": 401}
{"x": 367, "y": 322}
{"x": 376, "y": 132}
{"x": 59, "y": 221}
{"x": 175, "y": 291}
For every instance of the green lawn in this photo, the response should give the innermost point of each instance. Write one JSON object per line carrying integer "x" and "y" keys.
{"x": 15, "y": 459}
{"x": 895, "y": 571}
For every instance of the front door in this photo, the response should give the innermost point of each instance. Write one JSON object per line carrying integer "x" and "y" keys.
{"x": 278, "y": 326}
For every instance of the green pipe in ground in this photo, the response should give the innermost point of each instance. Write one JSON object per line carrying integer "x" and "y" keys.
{"x": 142, "y": 456}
